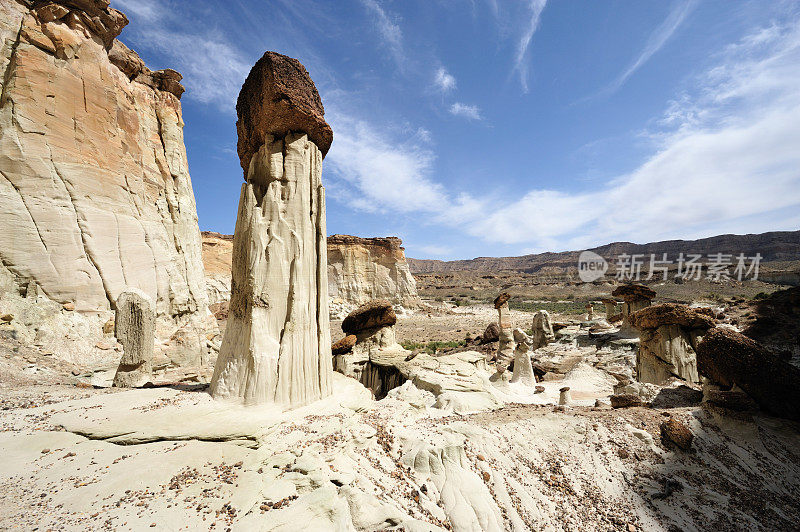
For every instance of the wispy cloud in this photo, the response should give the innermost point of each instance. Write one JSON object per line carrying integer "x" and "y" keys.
{"x": 524, "y": 43}
{"x": 143, "y": 9}
{"x": 389, "y": 30}
{"x": 213, "y": 68}
{"x": 729, "y": 156}
{"x": 434, "y": 250}
{"x": 379, "y": 170}
{"x": 472, "y": 112}
{"x": 680, "y": 10}
{"x": 728, "y": 162}
{"x": 443, "y": 80}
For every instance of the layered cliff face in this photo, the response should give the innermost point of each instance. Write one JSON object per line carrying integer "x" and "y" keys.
{"x": 95, "y": 194}
{"x": 362, "y": 269}
{"x": 359, "y": 270}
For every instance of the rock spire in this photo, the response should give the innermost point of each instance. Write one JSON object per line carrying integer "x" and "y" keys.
{"x": 276, "y": 346}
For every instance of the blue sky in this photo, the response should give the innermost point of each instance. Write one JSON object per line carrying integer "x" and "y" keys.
{"x": 500, "y": 127}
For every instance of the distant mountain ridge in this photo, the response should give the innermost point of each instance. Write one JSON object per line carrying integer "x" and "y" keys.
{"x": 773, "y": 246}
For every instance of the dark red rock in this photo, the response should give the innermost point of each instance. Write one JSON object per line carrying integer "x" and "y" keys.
{"x": 491, "y": 334}
{"x": 676, "y": 432}
{"x": 625, "y": 400}
{"x": 633, "y": 292}
{"x": 500, "y": 300}
{"x": 376, "y": 313}
{"x": 277, "y": 98}
{"x": 731, "y": 400}
{"x": 345, "y": 345}
{"x": 670, "y": 314}
{"x": 731, "y": 358}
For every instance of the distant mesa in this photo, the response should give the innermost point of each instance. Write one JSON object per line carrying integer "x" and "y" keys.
{"x": 773, "y": 246}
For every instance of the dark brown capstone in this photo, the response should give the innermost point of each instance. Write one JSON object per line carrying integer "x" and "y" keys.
{"x": 376, "y": 313}
{"x": 277, "y": 98}
{"x": 731, "y": 358}
{"x": 670, "y": 314}
{"x": 634, "y": 292}
{"x": 625, "y": 400}
{"x": 491, "y": 334}
{"x": 344, "y": 346}
{"x": 676, "y": 432}
{"x": 501, "y": 300}
{"x": 730, "y": 400}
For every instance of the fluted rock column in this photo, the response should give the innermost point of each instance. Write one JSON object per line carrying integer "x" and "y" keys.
{"x": 505, "y": 344}
{"x": 276, "y": 347}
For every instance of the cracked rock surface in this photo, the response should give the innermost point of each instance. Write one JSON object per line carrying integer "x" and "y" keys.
{"x": 93, "y": 174}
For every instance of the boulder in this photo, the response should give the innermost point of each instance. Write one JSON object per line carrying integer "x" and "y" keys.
{"x": 372, "y": 315}
{"x": 625, "y": 400}
{"x": 279, "y": 98}
{"x": 134, "y": 327}
{"x": 676, "y": 432}
{"x": 491, "y": 334}
{"x": 730, "y": 358}
{"x": 126, "y": 60}
{"x": 344, "y": 346}
{"x": 730, "y": 400}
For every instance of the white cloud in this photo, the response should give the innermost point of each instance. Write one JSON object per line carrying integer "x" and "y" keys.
{"x": 376, "y": 173}
{"x": 656, "y": 41}
{"x": 471, "y": 112}
{"x": 142, "y": 9}
{"x": 730, "y": 156}
{"x": 213, "y": 69}
{"x": 389, "y": 31}
{"x": 728, "y": 163}
{"x": 444, "y": 81}
{"x": 520, "y": 58}
{"x": 434, "y": 250}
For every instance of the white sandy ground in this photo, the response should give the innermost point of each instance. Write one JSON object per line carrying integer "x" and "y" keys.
{"x": 178, "y": 460}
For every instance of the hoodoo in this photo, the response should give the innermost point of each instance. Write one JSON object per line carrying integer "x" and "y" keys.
{"x": 276, "y": 346}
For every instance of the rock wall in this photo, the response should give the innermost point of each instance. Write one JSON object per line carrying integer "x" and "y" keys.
{"x": 363, "y": 269}
{"x": 359, "y": 270}
{"x": 95, "y": 194}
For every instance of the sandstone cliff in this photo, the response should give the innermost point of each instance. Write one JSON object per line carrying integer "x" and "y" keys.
{"x": 359, "y": 270}
{"x": 362, "y": 269}
{"x": 95, "y": 194}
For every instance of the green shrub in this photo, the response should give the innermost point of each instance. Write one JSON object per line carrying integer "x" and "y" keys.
{"x": 432, "y": 347}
